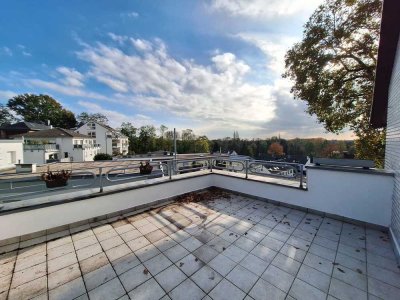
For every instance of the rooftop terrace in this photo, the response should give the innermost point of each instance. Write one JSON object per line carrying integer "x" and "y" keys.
{"x": 209, "y": 245}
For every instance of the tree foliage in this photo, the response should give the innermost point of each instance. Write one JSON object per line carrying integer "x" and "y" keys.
{"x": 333, "y": 69}
{"x": 6, "y": 117}
{"x": 275, "y": 149}
{"x": 42, "y": 108}
{"x": 85, "y": 117}
{"x": 130, "y": 131}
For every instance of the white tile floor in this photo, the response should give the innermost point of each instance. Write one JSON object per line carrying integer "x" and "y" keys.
{"x": 226, "y": 248}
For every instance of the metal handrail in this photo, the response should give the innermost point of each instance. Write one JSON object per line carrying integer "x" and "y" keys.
{"x": 252, "y": 168}
{"x": 22, "y": 184}
{"x": 239, "y": 162}
{"x": 40, "y": 183}
{"x": 130, "y": 167}
{"x": 205, "y": 162}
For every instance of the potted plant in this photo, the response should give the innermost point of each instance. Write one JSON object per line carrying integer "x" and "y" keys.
{"x": 56, "y": 178}
{"x": 145, "y": 168}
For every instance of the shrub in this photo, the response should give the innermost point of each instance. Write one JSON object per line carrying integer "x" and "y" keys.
{"x": 102, "y": 156}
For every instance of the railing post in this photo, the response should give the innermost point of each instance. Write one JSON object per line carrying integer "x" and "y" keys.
{"x": 247, "y": 169}
{"x": 169, "y": 164}
{"x": 301, "y": 176}
{"x": 101, "y": 179}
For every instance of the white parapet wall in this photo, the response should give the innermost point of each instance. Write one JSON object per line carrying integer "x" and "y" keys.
{"x": 360, "y": 195}
{"x": 34, "y": 220}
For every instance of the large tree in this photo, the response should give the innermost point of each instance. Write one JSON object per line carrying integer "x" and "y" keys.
{"x": 333, "y": 69}
{"x": 42, "y": 108}
{"x": 85, "y": 117}
{"x": 147, "y": 138}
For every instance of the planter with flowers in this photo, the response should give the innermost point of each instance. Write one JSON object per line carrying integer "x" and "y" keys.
{"x": 146, "y": 168}
{"x": 55, "y": 179}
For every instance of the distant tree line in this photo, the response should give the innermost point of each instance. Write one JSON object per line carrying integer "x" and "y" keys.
{"x": 148, "y": 138}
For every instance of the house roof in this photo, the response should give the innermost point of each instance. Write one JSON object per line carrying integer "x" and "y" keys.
{"x": 55, "y": 133}
{"x": 25, "y": 125}
{"x": 389, "y": 36}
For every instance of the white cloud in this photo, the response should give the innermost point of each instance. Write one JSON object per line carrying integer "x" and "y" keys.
{"x": 71, "y": 77}
{"x": 141, "y": 45}
{"x": 6, "y": 51}
{"x": 120, "y": 39}
{"x": 6, "y": 95}
{"x": 273, "y": 46}
{"x": 66, "y": 90}
{"x": 131, "y": 14}
{"x": 23, "y": 50}
{"x": 116, "y": 118}
{"x": 260, "y": 9}
{"x": 218, "y": 93}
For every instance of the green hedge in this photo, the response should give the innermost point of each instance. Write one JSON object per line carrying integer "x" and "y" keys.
{"x": 102, "y": 156}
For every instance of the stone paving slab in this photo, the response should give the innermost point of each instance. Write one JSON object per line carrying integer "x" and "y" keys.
{"x": 229, "y": 247}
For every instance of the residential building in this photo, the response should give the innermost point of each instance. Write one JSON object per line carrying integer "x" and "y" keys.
{"x": 58, "y": 144}
{"x": 386, "y": 104}
{"x": 11, "y": 153}
{"x": 8, "y": 131}
{"x": 111, "y": 141}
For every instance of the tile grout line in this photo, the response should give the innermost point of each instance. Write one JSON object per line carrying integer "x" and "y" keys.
{"x": 12, "y": 274}
{"x": 79, "y": 266}
{"x": 334, "y": 261}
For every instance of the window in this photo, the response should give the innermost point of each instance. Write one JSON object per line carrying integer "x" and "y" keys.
{"x": 65, "y": 154}
{"x": 91, "y": 125}
{"x": 92, "y": 134}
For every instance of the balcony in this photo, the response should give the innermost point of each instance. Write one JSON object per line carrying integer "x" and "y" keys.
{"x": 86, "y": 146}
{"x": 256, "y": 235}
{"x": 41, "y": 147}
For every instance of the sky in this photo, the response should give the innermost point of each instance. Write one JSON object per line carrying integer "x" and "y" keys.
{"x": 213, "y": 66}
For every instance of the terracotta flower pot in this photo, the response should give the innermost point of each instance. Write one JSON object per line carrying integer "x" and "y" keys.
{"x": 56, "y": 183}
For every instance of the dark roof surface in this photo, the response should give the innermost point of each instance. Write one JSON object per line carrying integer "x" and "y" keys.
{"x": 389, "y": 36}
{"x": 54, "y": 133}
{"x": 26, "y": 125}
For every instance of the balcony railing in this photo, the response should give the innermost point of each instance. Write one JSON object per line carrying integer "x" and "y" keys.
{"x": 16, "y": 187}
{"x": 46, "y": 147}
{"x": 86, "y": 146}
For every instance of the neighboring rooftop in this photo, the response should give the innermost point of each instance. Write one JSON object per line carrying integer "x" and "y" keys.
{"x": 223, "y": 247}
{"x": 25, "y": 126}
{"x": 54, "y": 133}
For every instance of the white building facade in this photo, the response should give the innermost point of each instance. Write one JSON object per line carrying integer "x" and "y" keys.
{"x": 110, "y": 140}
{"x": 11, "y": 153}
{"x": 58, "y": 145}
